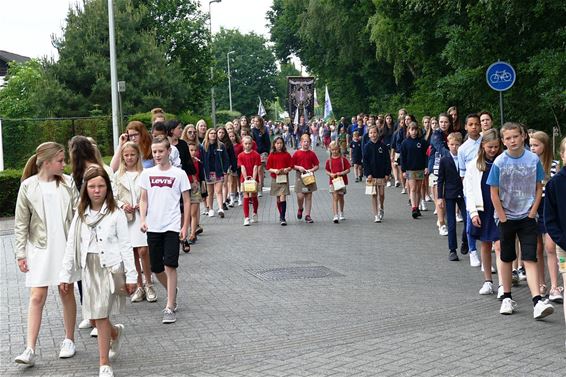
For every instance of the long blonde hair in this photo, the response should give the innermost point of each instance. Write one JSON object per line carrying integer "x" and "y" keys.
{"x": 487, "y": 137}
{"x": 136, "y": 148}
{"x": 206, "y": 142}
{"x": 546, "y": 157}
{"x": 44, "y": 152}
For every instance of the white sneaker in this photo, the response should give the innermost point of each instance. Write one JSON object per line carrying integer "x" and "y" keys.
{"x": 388, "y": 183}
{"x": 94, "y": 333}
{"x": 428, "y": 198}
{"x": 150, "y": 294}
{"x": 260, "y": 194}
{"x": 380, "y": 215}
{"x": 556, "y": 294}
{"x": 542, "y": 309}
{"x": 341, "y": 217}
{"x": 459, "y": 218}
{"x": 210, "y": 213}
{"x": 254, "y": 218}
{"x": 26, "y": 358}
{"x": 500, "y": 293}
{"x": 376, "y": 219}
{"x": 115, "y": 344}
{"x": 220, "y": 213}
{"x": 423, "y": 206}
{"x": 474, "y": 259}
{"x": 335, "y": 219}
{"x": 397, "y": 183}
{"x": 105, "y": 371}
{"x": 443, "y": 230}
{"x": 404, "y": 191}
{"x": 435, "y": 212}
{"x": 247, "y": 221}
{"x": 67, "y": 349}
{"x": 487, "y": 288}
{"x": 139, "y": 295}
{"x": 85, "y": 324}
{"x": 508, "y": 306}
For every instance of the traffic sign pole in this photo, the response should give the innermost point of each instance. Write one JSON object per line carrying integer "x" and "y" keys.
{"x": 501, "y": 106}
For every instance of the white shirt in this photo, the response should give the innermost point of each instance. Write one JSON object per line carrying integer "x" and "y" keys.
{"x": 164, "y": 189}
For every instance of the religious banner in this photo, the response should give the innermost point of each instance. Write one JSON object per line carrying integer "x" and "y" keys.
{"x": 300, "y": 96}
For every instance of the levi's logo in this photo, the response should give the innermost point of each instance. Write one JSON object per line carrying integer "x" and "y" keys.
{"x": 161, "y": 181}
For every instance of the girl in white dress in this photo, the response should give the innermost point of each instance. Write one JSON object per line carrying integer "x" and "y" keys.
{"x": 99, "y": 247}
{"x": 44, "y": 210}
{"x": 127, "y": 197}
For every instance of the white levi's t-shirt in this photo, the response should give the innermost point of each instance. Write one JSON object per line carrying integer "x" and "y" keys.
{"x": 164, "y": 189}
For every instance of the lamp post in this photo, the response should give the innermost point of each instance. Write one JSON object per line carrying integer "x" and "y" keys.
{"x": 113, "y": 73}
{"x": 212, "y": 104}
{"x": 229, "y": 77}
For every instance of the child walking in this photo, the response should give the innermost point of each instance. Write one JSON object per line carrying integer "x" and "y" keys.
{"x": 542, "y": 147}
{"x": 414, "y": 164}
{"x": 356, "y": 155}
{"x": 480, "y": 206}
{"x": 451, "y": 195}
{"x": 162, "y": 187}
{"x": 44, "y": 211}
{"x": 127, "y": 198}
{"x": 337, "y": 168}
{"x": 99, "y": 246}
{"x": 304, "y": 162}
{"x": 516, "y": 191}
{"x": 555, "y": 212}
{"x": 377, "y": 169}
{"x": 198, "y": 188}
{"x": 249, "y": 161}
{"x": 279, "y": 164}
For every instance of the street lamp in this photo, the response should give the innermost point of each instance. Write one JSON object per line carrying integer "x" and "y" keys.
{"x": 229, "y": 83}
{"x": 212, "y": 104}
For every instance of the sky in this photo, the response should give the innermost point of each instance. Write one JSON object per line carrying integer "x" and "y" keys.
{"x": 31, "y": 23}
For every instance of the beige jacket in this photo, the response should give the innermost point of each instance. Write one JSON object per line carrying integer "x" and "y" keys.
{"x": 30, "y": 213}
{"x": 122, "y": 192}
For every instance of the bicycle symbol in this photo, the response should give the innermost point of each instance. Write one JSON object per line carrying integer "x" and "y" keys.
{"x": 500, "y": 76}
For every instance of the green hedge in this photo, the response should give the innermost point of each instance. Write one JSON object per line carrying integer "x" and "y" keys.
{"x": 184, "y": 117}
{"x": 10, "y": 183}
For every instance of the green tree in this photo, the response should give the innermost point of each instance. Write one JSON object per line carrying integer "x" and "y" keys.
{"x": 252, "y": 68}
{"x": 152, "y": 77}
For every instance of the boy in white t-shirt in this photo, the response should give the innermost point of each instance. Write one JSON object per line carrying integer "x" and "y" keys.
{"x": 161, "y": 189}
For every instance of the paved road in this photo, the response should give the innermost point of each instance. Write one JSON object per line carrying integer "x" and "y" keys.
{"x": 381, "y": 300}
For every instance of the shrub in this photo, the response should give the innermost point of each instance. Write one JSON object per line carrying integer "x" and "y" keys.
{"x": 10, "y": 183}
{"x": 223, "y": 116}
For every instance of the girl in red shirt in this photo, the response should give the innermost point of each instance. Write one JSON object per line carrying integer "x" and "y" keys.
{"x": 304, "y": 161}
{"x": 249, "y": 161}
{"x": 279, "y": 163}
{"x": 337, "y": 166}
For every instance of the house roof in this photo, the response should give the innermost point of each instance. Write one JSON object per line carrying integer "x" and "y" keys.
{"x": 9, "y": 56}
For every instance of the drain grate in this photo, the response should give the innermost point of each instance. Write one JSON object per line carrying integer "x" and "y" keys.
{"x": 290, "y": 273}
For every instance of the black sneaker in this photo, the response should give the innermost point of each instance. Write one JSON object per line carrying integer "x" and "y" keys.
{"x": 308, "y": 219}
{"x": 453, "y": 256}
{"x": 415, "y": 214}
{"x": 419, "y": 214}
{"x": 283, "y": 221}
{"x": 515, "y": 278}
{"x": 464, "y": 249}
{"x": 224, "y": 207}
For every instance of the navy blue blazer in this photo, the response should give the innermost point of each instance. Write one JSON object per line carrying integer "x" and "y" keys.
{"x": 449, "y": 182}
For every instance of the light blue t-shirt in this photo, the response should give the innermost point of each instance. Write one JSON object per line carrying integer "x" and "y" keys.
{"x": 517, "y": 179}
{"x": 466, "y": 153}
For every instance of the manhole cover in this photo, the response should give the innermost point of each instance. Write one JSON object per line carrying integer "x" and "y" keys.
{"x": 288, "y": 273}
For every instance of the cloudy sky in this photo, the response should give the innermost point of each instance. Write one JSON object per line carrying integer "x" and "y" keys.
{"x": 28, "y": 29}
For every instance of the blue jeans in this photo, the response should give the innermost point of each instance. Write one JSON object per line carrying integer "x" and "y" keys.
{"x": 451, "y": 217}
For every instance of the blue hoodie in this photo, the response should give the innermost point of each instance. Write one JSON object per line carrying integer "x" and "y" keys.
{"x": 377, "y": 161}
{"x": 413, "y": 154}
{"x": 555, "y": 208}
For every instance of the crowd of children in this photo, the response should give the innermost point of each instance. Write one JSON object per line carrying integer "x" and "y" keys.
{"x": 125, "y": 222}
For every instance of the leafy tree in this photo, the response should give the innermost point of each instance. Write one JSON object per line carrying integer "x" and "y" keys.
{"x": 252, "y": 68}
{"x": 152, "y": 77}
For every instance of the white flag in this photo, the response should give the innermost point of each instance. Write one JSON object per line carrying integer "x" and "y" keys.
{"x": 296, "y": 120}
{"x": 327, "y": 105}
{"x": 260, "y": 110}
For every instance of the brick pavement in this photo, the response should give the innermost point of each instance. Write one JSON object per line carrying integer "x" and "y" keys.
{"x": 395, "y": 307}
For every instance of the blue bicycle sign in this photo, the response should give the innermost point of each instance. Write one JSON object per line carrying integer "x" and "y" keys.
{"x": 500, "y": 76}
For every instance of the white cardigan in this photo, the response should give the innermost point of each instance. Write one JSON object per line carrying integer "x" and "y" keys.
{"x": 114, "y": 244}
{"x": 472, "y": 188}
